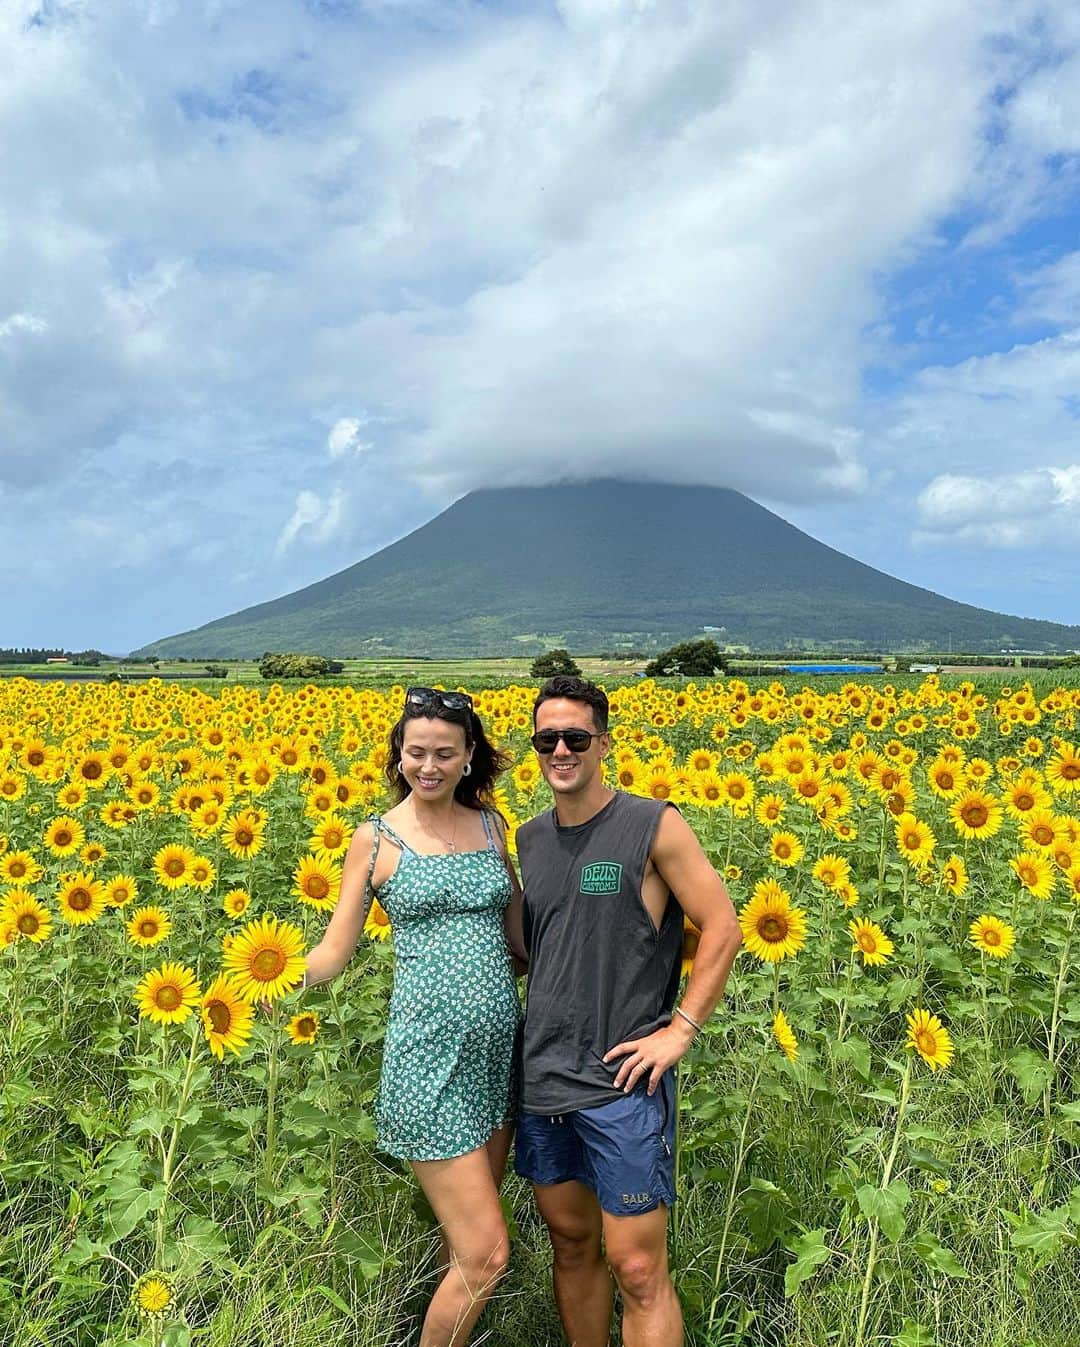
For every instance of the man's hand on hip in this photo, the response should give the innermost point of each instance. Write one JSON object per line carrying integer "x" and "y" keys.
{"x": 653, "y": 1055}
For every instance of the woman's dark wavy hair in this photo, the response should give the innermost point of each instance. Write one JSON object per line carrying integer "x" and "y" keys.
{"x": 475, "y": 790}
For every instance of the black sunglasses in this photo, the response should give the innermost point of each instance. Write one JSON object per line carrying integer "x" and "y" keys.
{"x": 577, "y": 741}
{"x": 451, "y": 701}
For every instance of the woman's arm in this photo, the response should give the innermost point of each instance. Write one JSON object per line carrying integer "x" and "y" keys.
{"x": 335, "y": 949}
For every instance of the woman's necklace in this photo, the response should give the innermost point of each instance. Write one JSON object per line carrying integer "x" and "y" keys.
{"x": 449, "y": 842}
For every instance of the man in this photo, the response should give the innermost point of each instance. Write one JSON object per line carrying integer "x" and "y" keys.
{"x": 607, "y": 878}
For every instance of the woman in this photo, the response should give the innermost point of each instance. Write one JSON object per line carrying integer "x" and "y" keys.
{"x": 437, "y": 862}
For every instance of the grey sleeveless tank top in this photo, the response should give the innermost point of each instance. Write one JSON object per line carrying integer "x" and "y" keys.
{"x": 599, "y": 969}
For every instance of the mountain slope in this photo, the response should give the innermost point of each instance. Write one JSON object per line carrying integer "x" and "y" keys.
{"x": 598, "y": 565}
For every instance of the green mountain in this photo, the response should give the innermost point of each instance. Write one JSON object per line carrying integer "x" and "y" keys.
{"x": 601, "y": 566}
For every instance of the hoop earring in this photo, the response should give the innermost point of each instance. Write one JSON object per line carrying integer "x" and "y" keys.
{"x": 467, "y": 769}
{"x": 400, "y": 770}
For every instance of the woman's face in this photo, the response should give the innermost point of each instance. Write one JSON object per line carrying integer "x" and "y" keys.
{"x": 433, "y": 757}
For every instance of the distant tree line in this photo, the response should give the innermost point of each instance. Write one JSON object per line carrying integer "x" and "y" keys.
{"x": 34, "y": 655}
{"x": 29, "y": 655}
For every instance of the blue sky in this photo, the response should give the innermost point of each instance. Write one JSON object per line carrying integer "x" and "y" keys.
{"x": 280, "y": 281}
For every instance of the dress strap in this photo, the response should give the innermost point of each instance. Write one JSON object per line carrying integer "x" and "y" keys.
{"x": 382, "y": 827}
{"x": 492, "y": 844}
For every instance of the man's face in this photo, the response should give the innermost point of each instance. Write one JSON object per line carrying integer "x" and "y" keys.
{"x": 565, "y": 772}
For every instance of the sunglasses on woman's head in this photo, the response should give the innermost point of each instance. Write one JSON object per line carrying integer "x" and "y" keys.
{"x": 452, "y": 701}
{"x": 576, "y": 741}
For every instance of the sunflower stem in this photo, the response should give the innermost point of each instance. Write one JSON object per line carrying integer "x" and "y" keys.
{"x": 886, "y": 1177}
{"x": 736, "y": 1172}
{"x": 167, "y": 1170}
{"x": 271, "y": 1098}
{"x": 1051, "y": 1057}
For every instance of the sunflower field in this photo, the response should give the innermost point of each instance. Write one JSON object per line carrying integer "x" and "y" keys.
{"x": 879, "y": 1129}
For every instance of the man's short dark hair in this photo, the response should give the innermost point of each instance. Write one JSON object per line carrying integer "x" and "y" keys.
{"x": 575, "y": 690}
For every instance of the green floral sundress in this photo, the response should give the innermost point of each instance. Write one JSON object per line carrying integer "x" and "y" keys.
{"x": 448, "y": 1060}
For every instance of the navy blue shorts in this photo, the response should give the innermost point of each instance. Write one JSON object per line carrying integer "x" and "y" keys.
{"x": 624, "y": 1150}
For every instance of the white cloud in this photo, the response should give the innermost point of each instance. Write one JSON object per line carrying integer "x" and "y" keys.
{"x": 314, "y": 522}
{"x": 1019, "y": 510}
{"x": 344, "y": 437}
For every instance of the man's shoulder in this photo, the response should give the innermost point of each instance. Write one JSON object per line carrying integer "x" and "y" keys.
{"x": 527, "y": 832}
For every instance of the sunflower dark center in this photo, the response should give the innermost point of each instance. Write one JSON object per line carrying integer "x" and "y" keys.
{"x": 773, "y": 929}
{"x": 80, "y": 899}
{"x": 148, "y": 928}
{"x": 975, "y": 815}
{"x": 926, "y": 1042}
{"x": 168, "y": 997}
{"x": 28, "y": 924}
{"x": 991, "y": 937}
{"x": 268, "y": 964}
{"x": 174, "y": 867}
{"x": 220, "y": 1016}
{"x": 316, "y": 886}
{"x": 91, "y": 770}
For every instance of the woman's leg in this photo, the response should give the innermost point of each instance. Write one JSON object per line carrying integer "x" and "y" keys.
{"x": 465, "y": 1201}
{"x": 498, "y": 1151}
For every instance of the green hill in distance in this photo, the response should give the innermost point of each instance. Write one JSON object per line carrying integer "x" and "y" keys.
{"x": 602, "y": 566}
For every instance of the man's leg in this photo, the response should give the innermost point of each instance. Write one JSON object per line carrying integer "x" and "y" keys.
{"x": 583, "y": 1290}
{"x": 637, "y": 1252}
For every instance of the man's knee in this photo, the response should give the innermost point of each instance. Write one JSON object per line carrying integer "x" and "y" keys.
{"x": 574, "y": 1245}
{"x": 642, "y": 1275}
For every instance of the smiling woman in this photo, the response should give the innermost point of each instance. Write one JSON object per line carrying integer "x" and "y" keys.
{"x": 445, "y": 883}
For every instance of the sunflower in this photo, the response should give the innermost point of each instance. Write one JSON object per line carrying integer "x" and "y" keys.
{"x": 226, "y": 1018}
{"x": 1063, "y": 769}
{"x": 785, "y": 1036}
{"x": 831, "y": 870}
{"x": 1043, "y": 829}
{"x": 236, "y": 902}
{"x": 785, "y": 849}
{"x": 243, "y": 836}
{"x": 1025, "y": 795}
{"x": 31, "y": 920}
{"x": 81, "y": 898}
{"x": 148, "y": 926}
{"x": 377, "y": 923}
{"x": 121, "y": 890}
{"x": 64, "y": 835}
{"x": 12, "y": 786}
{"x": 93, "y": 769}
{"x": 304, "y": 1028}
{"x": 915, "y": 840}
{"x": 991, "y": 936}
{"x": 872, "y": 942}
{"x": 658, "y": 780}
{"x": 954, "y": 875}
{"x": 202, "y": 873}
{"x": 930, "y": 1039}
{"x": 1035, "y": 872}
{"x": 171, "y": 866}
{"x": 154, "y": 1295}
{"x": 738, "y": 792}
{"x": 1072, "y": 883}
{"x": 20, "y": 867}
{"x": 770, "y": 810}
{"x": 943, "y": 778}
{"x": 317, "y": 882}
{"x": 331, "y": 835}
{"x": 846, "y": 892}
{"x": 691, "y": 937}
{"x": 168, "y": 995}
{"x": 975, "y": 813}
{"x": 771, "y": 927}
{"x": 708, "y": 788}
{"x": 71, "y": 795}
{"x": 266, "y": 959}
